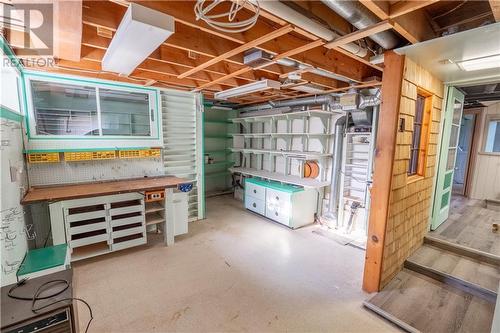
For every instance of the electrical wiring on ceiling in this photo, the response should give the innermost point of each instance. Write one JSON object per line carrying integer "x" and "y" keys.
{"x": 203, "y": 8}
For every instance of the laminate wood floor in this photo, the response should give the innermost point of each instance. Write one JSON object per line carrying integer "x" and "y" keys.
{"x": 470, "y": 224}
{"x": 462, "y": 267}
{"x": 431, "y": 306}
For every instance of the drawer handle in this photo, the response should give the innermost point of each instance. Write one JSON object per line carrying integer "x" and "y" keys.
{"x": 254, "y": 205}
{"x": 254, "y": 191}
{"x": 277, "y": 198}
{"x": 276, "y": 213}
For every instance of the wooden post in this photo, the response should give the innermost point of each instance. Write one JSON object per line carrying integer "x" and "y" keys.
{"x": 382, "y": 177}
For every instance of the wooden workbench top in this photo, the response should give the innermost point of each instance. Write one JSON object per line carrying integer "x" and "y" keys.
{"x": 75, "y": 191}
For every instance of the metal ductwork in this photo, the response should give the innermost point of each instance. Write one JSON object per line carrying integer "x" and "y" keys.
{"x": 313, "y": 100}
{"x": 361, "y": 17}
{"x": 317, "y": 71}
{"x": 333, "y": 201}
{"x": 286, "y": 13}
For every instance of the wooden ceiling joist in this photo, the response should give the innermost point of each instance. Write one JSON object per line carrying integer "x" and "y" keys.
{"x": 67, "y": 29}
{"x": 414, "y": 28}
{"x": 404, "y": 7}
{"x": 240, "y": 49}
{"x": 495, "y": 8}
{"x": 183, "y": 13}
{"x": 359, "y": 34}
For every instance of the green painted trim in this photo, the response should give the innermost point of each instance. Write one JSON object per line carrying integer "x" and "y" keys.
{"x": 91, "y": 81}
{"x": 203, "y": 197}
{"x": 10, "y": 54}
{"x": 275, "y": 185}
{"x": 26, "y": 75}
{"x": 33, "y": 151}
{"x": 9, "y": 114}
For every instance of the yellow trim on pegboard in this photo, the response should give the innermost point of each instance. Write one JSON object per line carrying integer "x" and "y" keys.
{"x": 43, "y": 158}
{"x": 142, "y": 153}
{"x": 89, "y": 155}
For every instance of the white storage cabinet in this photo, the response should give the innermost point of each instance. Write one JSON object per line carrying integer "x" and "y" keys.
{"x": 289, "y": 205}
{"x": 94, "y": 226}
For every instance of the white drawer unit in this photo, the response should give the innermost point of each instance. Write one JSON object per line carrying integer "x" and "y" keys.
{"x": 99, "y": 225}
{"x": 255, "y": 205}
{"x": 256, "y": 191}
{"x": 289, "y": 205}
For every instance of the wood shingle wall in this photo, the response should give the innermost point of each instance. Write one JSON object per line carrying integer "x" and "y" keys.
{"x": 410, "y": 196}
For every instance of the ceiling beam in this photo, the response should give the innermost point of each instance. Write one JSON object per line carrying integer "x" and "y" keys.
{"x": 67, "y": 29}
{"x": 362, "y": 33}
{"x": 188, "y": 39}
{"x": 495, "y": 8}
{"x": 242, "y": 48}
{"x": 414, "y": 27}
{"x": 379, "y": 8}
{"x": 404, "y": 7}
{"x": 288, "y": 53}
{"x": 184, "y": 13}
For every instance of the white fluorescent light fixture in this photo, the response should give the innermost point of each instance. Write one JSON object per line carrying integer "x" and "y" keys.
{"x": 246, "y": 89}
{"x": 141, "y": 31}
{"x": 492, "y": 61}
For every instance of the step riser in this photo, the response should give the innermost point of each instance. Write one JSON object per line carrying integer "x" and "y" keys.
{"x": 389, "y": 317}
{"x": 453, "y": 281}
{"x": 464, "y": 251}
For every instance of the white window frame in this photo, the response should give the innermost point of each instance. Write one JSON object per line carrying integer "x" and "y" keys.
{"x": 489, "y": 119}
{"x": 39, "y": 142}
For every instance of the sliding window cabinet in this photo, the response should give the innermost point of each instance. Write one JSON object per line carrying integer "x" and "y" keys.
{"x": 68, "y": 113}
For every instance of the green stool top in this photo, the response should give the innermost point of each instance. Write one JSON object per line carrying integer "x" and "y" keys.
{"x": 44, "y": 258}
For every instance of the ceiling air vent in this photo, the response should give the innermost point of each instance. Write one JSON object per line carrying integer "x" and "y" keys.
{"x": 255, "y": 58}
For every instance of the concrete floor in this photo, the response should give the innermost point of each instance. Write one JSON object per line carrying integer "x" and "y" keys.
{"x": 234, "y": 271}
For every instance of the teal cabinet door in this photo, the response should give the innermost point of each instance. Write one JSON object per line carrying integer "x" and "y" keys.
{"x": 447, "y": 156}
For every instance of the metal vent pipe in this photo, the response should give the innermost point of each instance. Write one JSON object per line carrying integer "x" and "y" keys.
{"x": 361, "y": 17}
{"x": 313, "y": 100}
{"x": 288, "y": 14}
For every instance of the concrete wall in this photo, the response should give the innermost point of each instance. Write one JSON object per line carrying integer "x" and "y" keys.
{"x": 410, "y": 197}
{"x": 486, "y": 174}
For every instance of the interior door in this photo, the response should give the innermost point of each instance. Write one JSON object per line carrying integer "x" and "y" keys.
{"x": 447, "y": 156}
{"x": 463, "y": 154}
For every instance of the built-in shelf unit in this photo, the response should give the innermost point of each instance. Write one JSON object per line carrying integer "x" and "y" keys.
{"x": 218, "y": 130}
{"x": 276, "y": 146}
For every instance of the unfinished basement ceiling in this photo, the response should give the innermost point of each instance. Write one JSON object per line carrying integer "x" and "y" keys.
{"x": 477, "y": 95}
{"x": 198, "y": 57}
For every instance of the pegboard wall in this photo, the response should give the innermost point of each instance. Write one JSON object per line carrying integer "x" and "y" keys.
{"x": 88, "y": 171}
{"x": 13, "y": 233}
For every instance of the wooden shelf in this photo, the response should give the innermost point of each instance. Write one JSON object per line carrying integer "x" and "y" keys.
{"x": 152, "y": 207}
{"x": 290, "y": 115}
{"x": 291, "y": 153}
{"x": 154, "y": 218}
{"x": 295, "y": 180}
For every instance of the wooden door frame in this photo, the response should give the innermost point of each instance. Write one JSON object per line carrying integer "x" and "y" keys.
{"x": 385, "y": 147}
{"x": 474, "y": 147}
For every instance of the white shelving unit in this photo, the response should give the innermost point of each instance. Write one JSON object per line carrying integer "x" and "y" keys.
{"x": 182, "y": 141}
{"x": 276, "y": 146}
{"x": 358, "y": 155}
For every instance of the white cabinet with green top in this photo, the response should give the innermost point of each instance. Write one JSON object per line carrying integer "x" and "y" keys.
{"x": 290, "y": 205}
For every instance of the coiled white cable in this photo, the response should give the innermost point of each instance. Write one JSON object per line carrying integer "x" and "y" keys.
{"x": 203, "y": 8}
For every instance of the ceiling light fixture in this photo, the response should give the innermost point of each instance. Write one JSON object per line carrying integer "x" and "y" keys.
{"x": 246, "y": 89}
{"x": 488, "y": 62}
{"x": 141, "y": 31}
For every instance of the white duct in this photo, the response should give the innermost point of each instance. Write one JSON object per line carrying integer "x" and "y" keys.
{"x": 361, "y": 17}
{"x": 317, "y": 71}
{"x": 288, "y": 14}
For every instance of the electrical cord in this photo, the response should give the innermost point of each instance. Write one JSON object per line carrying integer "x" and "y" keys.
{"x": 37, "y": 297}
{"x": 202, "y": 9}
